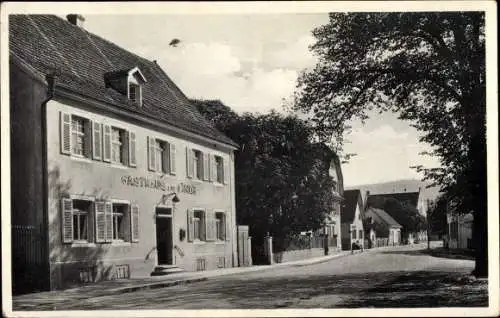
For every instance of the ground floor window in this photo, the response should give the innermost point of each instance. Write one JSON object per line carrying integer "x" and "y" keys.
{"x": 81, "y": 212}
{"x": 220, "y": 226}
{"x": 120, "y": 212}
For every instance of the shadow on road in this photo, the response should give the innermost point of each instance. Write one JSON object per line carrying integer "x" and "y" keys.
{"x": 437, "y": 252}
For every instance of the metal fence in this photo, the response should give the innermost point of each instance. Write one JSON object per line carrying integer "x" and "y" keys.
{"x": 29, "y": 265}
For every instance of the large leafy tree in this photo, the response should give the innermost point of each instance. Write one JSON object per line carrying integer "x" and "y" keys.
{"x": 429, "y": 68}
{"x": 282, "y": 181}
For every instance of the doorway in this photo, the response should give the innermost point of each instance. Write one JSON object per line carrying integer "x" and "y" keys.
{"x": 164, "y": 236}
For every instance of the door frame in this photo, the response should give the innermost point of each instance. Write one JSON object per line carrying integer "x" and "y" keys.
{"x": 164, "y": 216}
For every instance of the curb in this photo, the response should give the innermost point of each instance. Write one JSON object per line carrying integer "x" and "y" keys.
{"x": 130, "y": 289}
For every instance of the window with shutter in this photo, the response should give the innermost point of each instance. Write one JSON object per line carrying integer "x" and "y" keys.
{"x": 65, "y": 132}
{"x": 132, "y": 151}
{"x": 210, "y": 226}
{"x": 172, "y": 159}
{"x": 226, "y": 171}
{"x": 67, "y": 222}
{"x": 220, "y": 226}
{"x": 206, "y": 170}
{"x": 219, "y": 169}
{"x": 81, "y": 216}
{"x": 107, "y": 143}
{"x": 100, "y": 222}
{"x": 135, "y": 223}
{"x": 190, "y": 225}
{"x": 213, "y": 168}
{"x": 108, "y": 215}
{"x": 151, "y": 154}
{"x": 121, "y": 212}
{"x": 97, "y": 141}
{"x": 189, "y": 162}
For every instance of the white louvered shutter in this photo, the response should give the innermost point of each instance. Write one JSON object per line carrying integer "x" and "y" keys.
{"x": 226, "y": 170}
{"x": 172, "y": 159}
{"x": 165, "y": 160}
{"x": 67, "y": 222}
{"x": 213, "y": 168}
{"x": 106, "y": 143}
{"x": 100, "y": 222}
{"x": 96, "y": 141}
{"x": 134, "y": 218}
{"x": 189, "y": 162}
{"x": 206, "y": 167}
{"x": 65, "y": 133}
{"x": 151, "y": 154}
{"x": 190, "y": 225}
{"x": 132, "y": 151}
{"x": 210, "y": 225}
{"x": 108, "y": 215}
{"x": 228, "y": 227}
{"x": 126, "y": 148}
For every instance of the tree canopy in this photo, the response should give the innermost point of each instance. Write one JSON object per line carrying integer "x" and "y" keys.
{"x": 282, "y": 182}
{"x": 429, "y": 67}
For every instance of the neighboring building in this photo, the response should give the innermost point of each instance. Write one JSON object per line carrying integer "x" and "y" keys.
{"x": 333, "y": 222}
{"x": 384, "y": 226}
{"x": 408, "y": 199}
{"x": 460, "y": 230}
{"x": 352, "y": 216}
{"x": 114, "y": 173}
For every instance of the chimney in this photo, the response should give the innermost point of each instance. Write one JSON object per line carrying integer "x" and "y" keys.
{"x": 76, "y": 19}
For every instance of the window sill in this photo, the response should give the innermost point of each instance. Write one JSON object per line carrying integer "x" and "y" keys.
{"x": 219, "y": 242}
{"x": 120, "y": 243}
{"x": 198, "y": 242}
{"x": 119, "y": 165}
{"x": 82, "y": 244}
{"x": 218, "y": 184}
{"x": 81, "y": 158}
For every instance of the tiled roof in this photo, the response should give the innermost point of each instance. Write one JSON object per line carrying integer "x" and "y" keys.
{"x": 378, "y": 200}
{"x": 384, "y": 216}
{"x": 348, "y": 210}
{"x": 48, "y": 44}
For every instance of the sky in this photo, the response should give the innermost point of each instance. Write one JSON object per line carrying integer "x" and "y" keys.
{"x": 251, "y": 63}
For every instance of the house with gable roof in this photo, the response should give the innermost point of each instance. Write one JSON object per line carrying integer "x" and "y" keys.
{"x": 382, "y": 226}
{"x": 115, "y": 173}
{"x": 352, "y": 215}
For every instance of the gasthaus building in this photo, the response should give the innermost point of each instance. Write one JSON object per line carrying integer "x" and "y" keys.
{"x": 114, "y": 173}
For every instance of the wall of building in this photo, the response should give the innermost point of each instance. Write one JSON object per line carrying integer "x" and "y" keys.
{"x": 102, "y": 180}
{"x": 29, "y": 248}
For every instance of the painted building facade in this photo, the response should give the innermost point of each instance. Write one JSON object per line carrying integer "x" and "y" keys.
{"x": 118, "y": 175}
{"x": 383, "y": 226}
{"x": 352, "y": 219}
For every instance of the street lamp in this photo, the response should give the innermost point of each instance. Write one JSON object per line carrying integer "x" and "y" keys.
{"x": 175, "y": 199}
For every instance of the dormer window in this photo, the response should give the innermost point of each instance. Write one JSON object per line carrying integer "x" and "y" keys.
{"x": 134, "y": 93}
{"x": 128, "y": 82}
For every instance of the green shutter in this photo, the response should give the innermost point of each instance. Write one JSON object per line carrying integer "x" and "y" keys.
{"x": 210, "y": 225}
{"x": 97, "y": 141}
{"x": 189, "y": 162}
{"x": 132, "y": 152}
{"x": 65, "y": 133}
{"x": 206, "y": 166}
{"x": 172, "y": 159}
{"x": 134, "y": 218}
{"x": 67, "y": 220}
{"x": 226, "y": 171}
{"x": 100, "y": 222}
{"x": 108, "y": 215}
{"x": 190, "y": 225}
{"x": 106, "y": 143}
{"x": 151, "y": 154}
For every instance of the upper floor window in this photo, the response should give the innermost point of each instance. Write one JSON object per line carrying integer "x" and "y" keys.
{"x": 161, "y": 156}
{"x": 198, "y": 164}
{"x": 80, "y": 136}
{"x": 219, "y": 169}
{"x": 117, "y": 145}
{"x": 220, "y": 226}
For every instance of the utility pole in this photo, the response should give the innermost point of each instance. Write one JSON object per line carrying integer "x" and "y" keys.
{"x": 428, "y": 225}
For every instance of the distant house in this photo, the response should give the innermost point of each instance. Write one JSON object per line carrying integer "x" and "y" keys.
{"x": 460, "y": 230}
{"x": 406, "y": 199}
{"x": 384, "y": 226}
{"x": 352, "y": 219}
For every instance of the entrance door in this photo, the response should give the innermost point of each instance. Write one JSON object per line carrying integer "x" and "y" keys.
{"x": 164, "y": 239}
